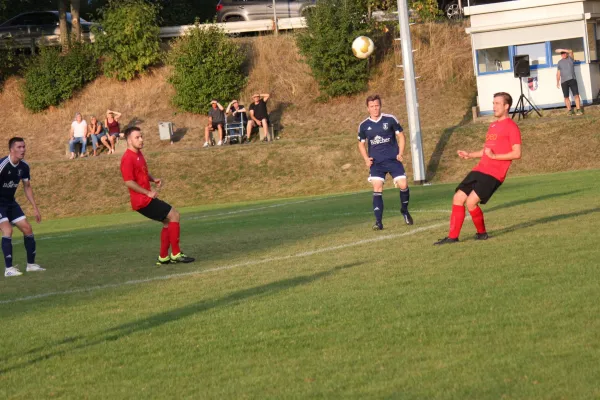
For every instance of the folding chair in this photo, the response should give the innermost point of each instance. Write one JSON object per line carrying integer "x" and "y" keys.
{"x": 235, "y": 130}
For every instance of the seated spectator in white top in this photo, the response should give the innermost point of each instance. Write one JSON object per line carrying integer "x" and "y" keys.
{"x": 78, "y": 135}
{"x": 216, "y": 120}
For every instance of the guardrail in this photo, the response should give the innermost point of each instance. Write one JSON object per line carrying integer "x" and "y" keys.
{"x": 262, "y": 25}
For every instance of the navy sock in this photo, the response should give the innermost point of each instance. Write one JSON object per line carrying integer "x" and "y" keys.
{"x": 30, "y": 248}
{"x": 404, "y": 197}
{"x": 7, "y": 250}
{"x": 378, "y": 205}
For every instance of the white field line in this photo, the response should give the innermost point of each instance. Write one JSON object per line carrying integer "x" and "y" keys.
{"x": 225, "y": 267}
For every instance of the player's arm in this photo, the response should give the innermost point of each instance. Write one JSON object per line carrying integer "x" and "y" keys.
{"x": 219, "y": 106}
{"x": 557, "y": 78}
{"x": 157, "y": 181}
{"x": 137, "y": 188}
{"x": 265, "y": 97}
{"x": 465, "y": 155}
{"x": 29, "y": 195}
{"x": 401, "y": 139}
{"x": 514, "y": 154}
{"x": 228, "y": 109}
{"x": 72, "y": 132}
{"x": 362, "y": 148}
{"x": 116, "y": 114}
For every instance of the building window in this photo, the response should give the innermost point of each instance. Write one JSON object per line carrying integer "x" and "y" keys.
{"x": 493, "y": 60}
{"x": 537, "y": 52}
{"x": 575, "y": 44}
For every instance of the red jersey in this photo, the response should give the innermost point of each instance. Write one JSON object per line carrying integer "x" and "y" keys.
{"x": 134, "y": 168}
{"x": 500, "y": 138}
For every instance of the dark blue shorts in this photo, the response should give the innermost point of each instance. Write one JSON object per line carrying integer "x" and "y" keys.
{"x": 392, "y": 167}
{"x": 11, "y": 212}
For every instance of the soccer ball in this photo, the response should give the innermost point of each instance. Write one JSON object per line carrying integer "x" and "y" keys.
{"x": 362, "y": 47}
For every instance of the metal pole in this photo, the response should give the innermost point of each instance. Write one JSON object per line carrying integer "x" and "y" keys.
{"x": 275, "y": 18}
{"x": 412, "y": 104}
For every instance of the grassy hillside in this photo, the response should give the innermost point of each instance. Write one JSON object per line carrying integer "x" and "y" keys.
{"x": 317, "y": 153}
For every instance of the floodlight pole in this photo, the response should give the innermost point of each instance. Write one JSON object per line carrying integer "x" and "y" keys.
{"x": 412, "y": 103}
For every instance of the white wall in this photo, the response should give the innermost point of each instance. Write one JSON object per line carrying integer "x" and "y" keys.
{"x": 546, "y": 95}
{"x": 524, "y": 14}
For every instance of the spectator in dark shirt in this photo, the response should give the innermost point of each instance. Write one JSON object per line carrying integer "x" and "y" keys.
{"x": 259, "y": 116}
{"x": 237, "y": 110}
{"x": 216, "y": 120}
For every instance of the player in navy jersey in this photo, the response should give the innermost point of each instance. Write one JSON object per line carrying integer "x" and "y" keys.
{"x": 385, "y": 139}
{"x": 12, "y": 171}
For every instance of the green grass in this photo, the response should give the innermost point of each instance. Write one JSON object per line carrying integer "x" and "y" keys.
{"x": 300, "y": 299}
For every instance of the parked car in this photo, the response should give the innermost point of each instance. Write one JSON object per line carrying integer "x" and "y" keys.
{"x": 453, "y": 9}
{"x": 31, "y": 27}
{"x": 251, "y": 10}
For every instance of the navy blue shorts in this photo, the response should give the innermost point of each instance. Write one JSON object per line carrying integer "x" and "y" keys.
{"x": 11, "y": 212}
{"x": 392, "y": 167}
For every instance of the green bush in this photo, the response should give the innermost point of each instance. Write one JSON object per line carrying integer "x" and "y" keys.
{"x": 426, "y": 10}
{"x": 206, "y": 64}
{"x": 129, "y": 40}
{"x": 10, "y": 61}
{"x": 327, "y": 46}
{"x": 52, "y": 77}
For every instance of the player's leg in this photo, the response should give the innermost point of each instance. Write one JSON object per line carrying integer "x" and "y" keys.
{"x": 265, "y": 124}
{"x": 174, "y": 234}
{"x": 249, "y": 130}
{"x": 6, "y": 229}
{"x": 72, "y": 148}
{"x": 28, "y": 239}
{"x": 377, "y": 202}
{"x": 207, "y": 136}
{"x": 104, "y": 140}
{"x": 565, "y": 88}
{"x": 457, "y": 216}
{"x": 400, "y": 181}
{"x": 476, "y": 215}
{"x": 575, "y": 91}
{"x": 219, "y": 128}
{"x": 111, "y": 140}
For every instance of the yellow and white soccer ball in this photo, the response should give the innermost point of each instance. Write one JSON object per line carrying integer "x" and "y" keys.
{"x": 363, "y": 47}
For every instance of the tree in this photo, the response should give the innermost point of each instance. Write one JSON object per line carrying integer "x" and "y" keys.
{"x": 62, "y": 22}
{"x": 76, "y": 26}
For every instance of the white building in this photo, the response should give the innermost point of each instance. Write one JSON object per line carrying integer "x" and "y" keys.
{"x": 537, "y": 28}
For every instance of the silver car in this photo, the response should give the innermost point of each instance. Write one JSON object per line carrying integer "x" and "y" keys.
{"x": 32, "y": 27}
{"x": 251, "y": 10}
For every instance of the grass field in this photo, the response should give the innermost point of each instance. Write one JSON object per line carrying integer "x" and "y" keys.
{"x": 298, "y": 298}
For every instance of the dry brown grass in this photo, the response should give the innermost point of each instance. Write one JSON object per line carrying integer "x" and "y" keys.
{"x": 317, "y": 139}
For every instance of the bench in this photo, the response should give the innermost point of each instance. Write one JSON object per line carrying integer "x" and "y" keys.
{"x": 120, "y": 147}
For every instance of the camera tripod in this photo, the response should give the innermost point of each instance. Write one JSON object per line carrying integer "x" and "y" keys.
{"x": 520, "y": 107}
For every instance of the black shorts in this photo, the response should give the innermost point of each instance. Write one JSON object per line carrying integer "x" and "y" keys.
{"x": 215, "y": 125}
{"x": 156, "y": 210}
{"x": 483, "y": 184}
{"x": 570, "y": 84}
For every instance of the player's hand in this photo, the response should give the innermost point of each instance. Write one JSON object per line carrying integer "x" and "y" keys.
{"x": 463, "y": 154}
{"x": 558, "y": 86}
{"x": 38, "y": 216}
{"x": 488, "y": 152}
{"x": 399, "y": 157}
{"x": 152, "y": 194}
{"x": 369, "y": 162}
{"x": 158, "y": 182}
{"x": 259, "y": 123}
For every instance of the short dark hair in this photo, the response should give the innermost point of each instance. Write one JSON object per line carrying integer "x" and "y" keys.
{"x": 130, "y": 130}
{"x": 506, "y": 97}
{"x": 374, "y": 97}
{"x": 14, "y": 140}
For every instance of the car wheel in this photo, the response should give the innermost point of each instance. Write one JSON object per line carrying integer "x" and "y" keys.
{"x": 452, "y": 10}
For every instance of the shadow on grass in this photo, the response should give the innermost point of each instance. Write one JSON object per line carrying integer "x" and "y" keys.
{"x": 520, "y": 202}
{"x": 74, "y": 343}
{"x": 440, "y": 147}
{"x": 545, "y": 220}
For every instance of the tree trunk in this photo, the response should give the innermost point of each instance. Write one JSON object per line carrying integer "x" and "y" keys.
{"x": 76, "y": 26}
{"x": 62, "y": 22}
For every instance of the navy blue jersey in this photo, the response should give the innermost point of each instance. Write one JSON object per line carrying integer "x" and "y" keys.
{"x": 380, "y": 136}
{"x": 10, "y": 176}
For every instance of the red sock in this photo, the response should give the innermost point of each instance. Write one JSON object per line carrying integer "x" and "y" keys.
{"x": 164, "y": 242}
{"x": 477, "y": 216}
{"x": 456, "y": 221}
{"x": 174, "y": 237}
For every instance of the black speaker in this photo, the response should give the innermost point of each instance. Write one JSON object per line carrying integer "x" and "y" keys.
{"x": 521, "y": 66}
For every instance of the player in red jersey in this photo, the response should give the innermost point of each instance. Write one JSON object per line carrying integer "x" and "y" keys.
{"x": 145, "y": 200}
{"x": 502, "y": 145}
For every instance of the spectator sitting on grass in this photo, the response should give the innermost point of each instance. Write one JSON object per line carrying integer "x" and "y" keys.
{"x": 216, "y": 120}
{"x": 114, "y": 130}
{"x": 97, "y": 134}
{"x": 259, "y": 116}
{"x": 78, "y": 135}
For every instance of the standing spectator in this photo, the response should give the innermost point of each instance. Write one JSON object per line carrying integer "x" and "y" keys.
{"x": 565, "y": 78}
{"x": 97, "y": 134}
{"x": 216, "y": 120}
{"x": 78, "y": 135}
{"x": 259, "y": 116}
{"x": 114, "y": 130}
